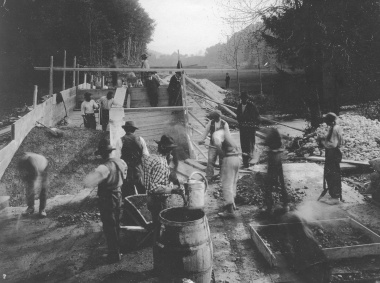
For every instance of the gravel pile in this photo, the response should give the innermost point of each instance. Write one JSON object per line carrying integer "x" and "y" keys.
{"x": 360, "y": 139}
{"x": 250, "y": 190}
{"x": 68, "y": 219}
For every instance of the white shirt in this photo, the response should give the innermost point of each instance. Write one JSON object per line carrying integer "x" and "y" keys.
{"x": 217, "y": 127}
{"x": 88, "y": 107}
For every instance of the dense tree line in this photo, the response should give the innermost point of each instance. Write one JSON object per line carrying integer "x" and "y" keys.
{"x": 92, "y": 30}
{"x": 336, "y": 43}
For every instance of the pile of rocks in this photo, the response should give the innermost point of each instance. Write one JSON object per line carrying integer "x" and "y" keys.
{"x": 360, "y": 136}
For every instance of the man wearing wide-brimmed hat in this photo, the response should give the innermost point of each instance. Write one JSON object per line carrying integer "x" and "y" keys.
{"x": 332, "y": 173}
{"x": 144, "y": 65}
{"x": 152, "y": 83}
{"x": 132, "y": 151}
{"x": 156, "y": 180}
{"x": 215, "y": 126}
{"x": 248, "y": 118}
{"x": 109, "y": 179}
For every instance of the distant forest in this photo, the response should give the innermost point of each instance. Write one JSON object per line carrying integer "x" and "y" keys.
{"x": 92, "y": 30}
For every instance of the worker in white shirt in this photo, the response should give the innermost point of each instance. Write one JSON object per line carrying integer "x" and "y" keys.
{"x": 88, "y": 106}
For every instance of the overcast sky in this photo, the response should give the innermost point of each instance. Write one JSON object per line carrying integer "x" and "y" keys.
{"x": 188, "y": 25}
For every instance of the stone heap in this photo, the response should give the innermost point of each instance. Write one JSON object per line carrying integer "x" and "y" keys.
{"x": 360, "y": 139}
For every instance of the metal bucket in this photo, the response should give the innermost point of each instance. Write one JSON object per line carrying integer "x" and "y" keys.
{"x": 195, "y": 191}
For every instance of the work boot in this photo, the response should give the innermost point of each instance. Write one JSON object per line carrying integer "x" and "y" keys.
{"x": 332, "y": 201}
{"x": 228, "y": 212}
{"x": 42, "y": 213}
{"x": 28, "y": 211}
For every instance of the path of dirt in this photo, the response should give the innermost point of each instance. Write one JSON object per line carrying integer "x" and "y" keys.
{"x": 70, "y": 159}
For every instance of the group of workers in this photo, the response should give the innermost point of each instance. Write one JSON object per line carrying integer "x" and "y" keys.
{"x": 139, "y": 172}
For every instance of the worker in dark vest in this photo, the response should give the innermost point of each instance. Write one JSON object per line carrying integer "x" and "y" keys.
{"x": 215, "y": 124}
{"x": 105, "y": 103}
{"x": 152, "y": 84}
{"x": 275, "y": 176}
{"x": 157, "y": 182}
{"x": 131, "y": 153}
{"x": 109, "y": 179}
{"x": 175, "y": 90}
{"x": 248, "y": 118}
{"x": 33, "y": 168}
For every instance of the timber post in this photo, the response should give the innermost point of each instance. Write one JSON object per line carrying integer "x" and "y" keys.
{"x": 35, "y": 96}
{"x": 92, "y": 81}
{"x": 75, "y": 63}
{"x": 85, "y": 80}
{"x": 186, "y": 112}
{"x": 102, "y": 82}
{"x": 64, "y": 71}
{"x": 51, "y": 76}
{"x": 77, "y": 76}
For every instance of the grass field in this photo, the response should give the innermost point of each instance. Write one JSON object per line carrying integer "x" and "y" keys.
{"x": 249, "y": 80}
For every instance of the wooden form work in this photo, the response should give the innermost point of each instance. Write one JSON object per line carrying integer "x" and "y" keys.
{"x": 335, "y": 253}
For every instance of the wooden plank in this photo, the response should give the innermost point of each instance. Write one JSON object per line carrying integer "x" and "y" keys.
{"x": 120, "y": 96}
{"x": 352, "y": 251}
{"x": 322, "y": 159}
{"x": 262, "y": 247}
{"x": 149, "y": 109}
{"x": 375, "y": 237}
{"x": 159, "y": 70}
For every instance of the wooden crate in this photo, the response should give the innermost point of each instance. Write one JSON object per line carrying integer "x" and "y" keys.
{"x": 334, "y": 253}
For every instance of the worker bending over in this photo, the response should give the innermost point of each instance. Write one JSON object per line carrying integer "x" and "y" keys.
{"x": 109, "y": 179}
{"x": 33, "y": 168}
{"x": 214, "y": 125}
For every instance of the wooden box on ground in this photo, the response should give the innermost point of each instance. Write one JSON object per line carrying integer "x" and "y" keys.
{"x": 333, "y": 253}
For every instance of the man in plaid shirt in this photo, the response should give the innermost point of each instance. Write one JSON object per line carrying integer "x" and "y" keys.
{"x": 157, "y": 183}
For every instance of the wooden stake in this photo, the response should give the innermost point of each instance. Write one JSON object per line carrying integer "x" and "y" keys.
{"x": 35, "y": 97}
{"x": 92, "y": 81}
{"x": 102, "y": 82}
{"x": 74, "y": 74}
{"x": 77, "y": 76}
{"x": 51, "y": 76}
{"x": 85, "y": 80}
{"x": 64, "y": 72}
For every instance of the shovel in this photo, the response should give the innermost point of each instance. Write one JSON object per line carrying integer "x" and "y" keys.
{"x": 324, "y": 187}
{"x": 54, "y": 132}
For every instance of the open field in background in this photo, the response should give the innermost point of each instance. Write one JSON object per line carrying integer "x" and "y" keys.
{"x": 249, "y": 80}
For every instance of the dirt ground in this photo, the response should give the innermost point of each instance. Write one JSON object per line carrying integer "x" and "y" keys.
{"x": 70, "y": 159}
{"x": 69, "y": 244}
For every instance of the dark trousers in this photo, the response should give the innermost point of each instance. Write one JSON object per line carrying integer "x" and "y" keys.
{"x": 247, "y": 142}
{"x": 153, "y": 97}
{"x": 104, "y": 118}
{"x": 227, "y": 84}
{"x": 109, "y": 207}
{"x": 332, "y": 172}
{"x": 175, "y": 98}
{"x": 133, "y": 181}
{"x": 155, "y": 206}
{"x": 34, "y": 183}
{"x": 89, "y": 121}
{"x": 275, "y": 179}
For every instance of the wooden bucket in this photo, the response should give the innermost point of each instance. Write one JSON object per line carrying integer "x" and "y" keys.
{"x": 184, "y": 246}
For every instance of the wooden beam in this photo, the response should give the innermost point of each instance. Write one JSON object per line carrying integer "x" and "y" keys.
{"x": 148, "y": 109}
{"x": 51, "y": 76}
{"x": 77, "y": 77}
{"x": 35, "y": 92}
{"x": 64, "y": 72}
{"x": 192, "y": 83}
{"x": 193, "y": 93}
{"x": 192, "y": 115}
{"x": 322, "y": 159}
{"x": 101, "y": 69}
{"x": 75, "y": 63}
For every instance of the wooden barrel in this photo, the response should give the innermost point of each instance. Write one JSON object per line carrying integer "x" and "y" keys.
{"x": 184, "y": 247}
